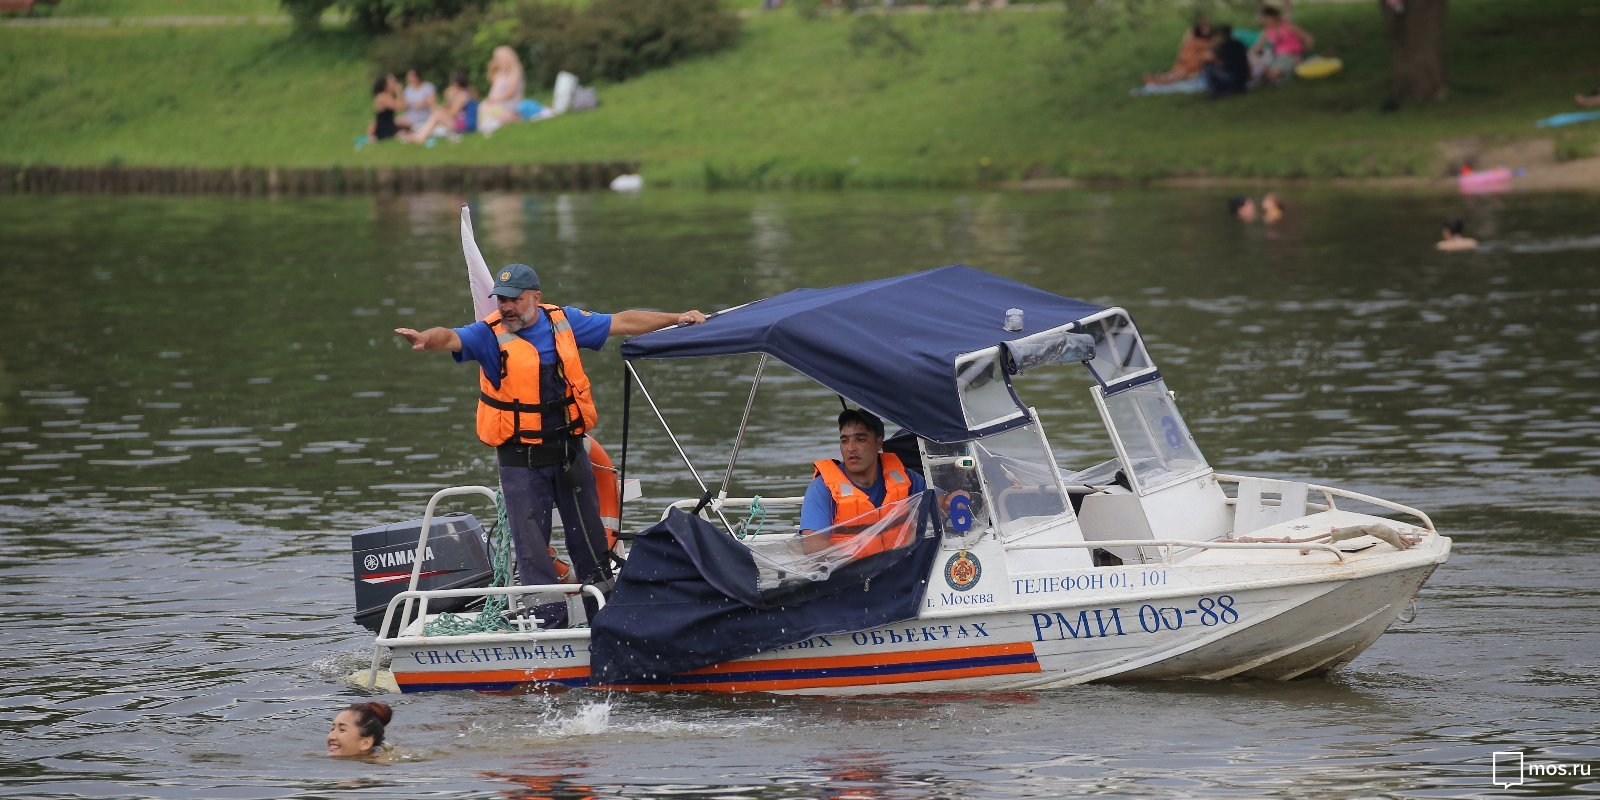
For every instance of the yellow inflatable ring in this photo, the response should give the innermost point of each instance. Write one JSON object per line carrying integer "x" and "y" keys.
{"x": 1318, "y": 67}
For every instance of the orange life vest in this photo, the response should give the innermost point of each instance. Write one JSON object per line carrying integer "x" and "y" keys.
{"x": 514, "y": 412}
{"x": 853, "y": 511}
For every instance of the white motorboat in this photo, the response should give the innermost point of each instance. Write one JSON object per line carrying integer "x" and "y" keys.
{"x": 1010, "y": 572}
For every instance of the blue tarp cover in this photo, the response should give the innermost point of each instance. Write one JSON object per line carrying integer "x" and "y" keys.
{"x": 889, "y": 345}
{"x": 688, "y": 598}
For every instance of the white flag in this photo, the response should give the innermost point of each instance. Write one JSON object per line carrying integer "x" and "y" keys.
{"x": 479, "y": 281}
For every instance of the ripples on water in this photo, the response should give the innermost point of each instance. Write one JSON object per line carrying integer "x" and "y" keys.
{"x": 187, "y": 440}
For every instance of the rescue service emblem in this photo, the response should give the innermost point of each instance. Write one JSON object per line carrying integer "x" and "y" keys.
{"x": 505, "y": 274}
{"x": 962, "y": 571}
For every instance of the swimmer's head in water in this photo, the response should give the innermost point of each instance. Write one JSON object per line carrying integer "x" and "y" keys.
{"x": 1453, "y": 227}
{"x": 1272, "y": 207}
{"x": 358, "y": 729}
{"x": 1242, "y": 207}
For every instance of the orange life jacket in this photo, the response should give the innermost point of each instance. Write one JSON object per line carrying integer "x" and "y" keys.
{"x": 853, "y": 511}
{"x": 514, "y": 412}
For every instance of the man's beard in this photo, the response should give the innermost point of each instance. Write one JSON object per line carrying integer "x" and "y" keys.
{"x": 512, "y": 322}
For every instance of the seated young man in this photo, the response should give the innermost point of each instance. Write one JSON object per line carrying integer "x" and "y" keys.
{"x": 855, "y": 487}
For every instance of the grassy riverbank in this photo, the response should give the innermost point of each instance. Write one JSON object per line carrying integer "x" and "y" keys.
{"x": 909, "y": 99}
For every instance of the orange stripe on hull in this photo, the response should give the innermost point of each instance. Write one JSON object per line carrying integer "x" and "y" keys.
{"x": 867, "y": 659}
{"x": 744, "y": 675}
{"x": 491, "y": 676}
{"x": 819, "y": 683}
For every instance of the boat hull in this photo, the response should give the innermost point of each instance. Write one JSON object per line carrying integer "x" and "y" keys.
{"x": 1222, "y": 623}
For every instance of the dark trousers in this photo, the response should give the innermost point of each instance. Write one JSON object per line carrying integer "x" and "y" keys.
{"x": 1219, "y": 83}
{"x": 530, "y": 494}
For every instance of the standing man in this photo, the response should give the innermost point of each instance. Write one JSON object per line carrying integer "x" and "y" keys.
{"x": 533, "y": 408}
{"x": 856, "y": 487}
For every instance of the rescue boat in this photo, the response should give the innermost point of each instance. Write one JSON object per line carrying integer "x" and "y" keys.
{"x": 1012, "y": 571}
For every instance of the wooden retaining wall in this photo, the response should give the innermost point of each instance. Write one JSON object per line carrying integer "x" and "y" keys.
{"x": 16, "y": 179}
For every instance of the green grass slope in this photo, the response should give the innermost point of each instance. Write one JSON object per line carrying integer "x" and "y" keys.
{"x": 943, "y": 98}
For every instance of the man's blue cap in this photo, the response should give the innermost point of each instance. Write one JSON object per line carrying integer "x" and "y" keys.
{"x": 513, "y": 280}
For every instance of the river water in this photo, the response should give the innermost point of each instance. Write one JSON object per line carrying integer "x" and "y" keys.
{"x": 200, "y": 398}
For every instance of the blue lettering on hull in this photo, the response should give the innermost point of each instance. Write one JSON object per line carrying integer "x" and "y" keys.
{"x": 1093, "y": 623}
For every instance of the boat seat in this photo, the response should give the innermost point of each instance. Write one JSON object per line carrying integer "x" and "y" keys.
{"x": 1261, "y": 503}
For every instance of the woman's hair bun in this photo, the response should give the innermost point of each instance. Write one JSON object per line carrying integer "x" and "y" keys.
{"x": 380, "y": 710}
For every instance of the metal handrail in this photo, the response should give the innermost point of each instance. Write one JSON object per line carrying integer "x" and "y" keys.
{"x": 720, "y": 503}
{"x": 412, "y": 594}
{"x": 421, "y": 596}
{"x": 1171, "y": 543}
{"x": 1330, "y": 492}
{"x": 427, "y": 527}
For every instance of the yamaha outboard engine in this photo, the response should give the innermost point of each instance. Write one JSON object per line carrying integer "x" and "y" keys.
{"x": 457, "y": 557}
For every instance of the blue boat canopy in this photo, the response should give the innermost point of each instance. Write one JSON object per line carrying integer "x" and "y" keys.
{"x": 900, "y": 347}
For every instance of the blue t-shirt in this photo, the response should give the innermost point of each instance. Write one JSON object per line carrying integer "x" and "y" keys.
{"x": 478, "y": 341}
{"x": 816, "y": 512}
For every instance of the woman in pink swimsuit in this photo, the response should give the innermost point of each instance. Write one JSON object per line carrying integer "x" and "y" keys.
{"x": 1282, "y": 45}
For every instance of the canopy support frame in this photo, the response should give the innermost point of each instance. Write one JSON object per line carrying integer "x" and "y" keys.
{"x": 705, "y": 491}
{"x": 744, "y": 425}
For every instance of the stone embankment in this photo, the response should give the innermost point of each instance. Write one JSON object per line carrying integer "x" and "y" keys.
{"x": 16, "y": 179}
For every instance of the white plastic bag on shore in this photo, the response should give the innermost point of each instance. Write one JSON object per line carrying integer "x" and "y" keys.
{"x": 566, "y": 84}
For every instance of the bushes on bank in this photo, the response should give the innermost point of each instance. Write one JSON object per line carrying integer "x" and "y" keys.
{"x": 609, "y": 39}
{"x": 378, "y": 16}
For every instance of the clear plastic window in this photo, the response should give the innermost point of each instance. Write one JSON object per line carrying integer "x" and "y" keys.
{"x": 986, "y": 397}
{"x": 1019, "y": 473}
{"x": 792, "y": 564}
{"x": 952, "y": 469}
{"x": 1118, "y": 351}
{"x": 1152, "y": 436}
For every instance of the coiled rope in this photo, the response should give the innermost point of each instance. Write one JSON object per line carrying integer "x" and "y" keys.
{"x": 492, "y": 618}
{"x": 757, "y": 517}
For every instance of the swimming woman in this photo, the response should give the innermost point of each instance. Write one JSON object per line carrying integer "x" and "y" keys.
{"x": 358, "y": 730}
{"x": 1452, "y": 237}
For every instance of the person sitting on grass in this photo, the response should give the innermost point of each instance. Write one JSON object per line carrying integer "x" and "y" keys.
{"x": 420, "y": 98}
{"x": 386, "y": 102}
{"x": 1282, "y": 45}
{"x": 505, "y": 91}
{"x": 1192, "y": 52}
{"x": 458, "y": 114}
{"x": 1227, "y": 70}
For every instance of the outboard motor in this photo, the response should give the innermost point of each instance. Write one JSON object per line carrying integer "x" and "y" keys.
{"x": 457, "y": 558}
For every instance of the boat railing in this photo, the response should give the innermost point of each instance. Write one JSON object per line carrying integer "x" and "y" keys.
{"x": 412, "y": 603}
{"x": 1331, "y": 492}
{"x": 418, "y": 599}
{"x": 734, "y": 503}
{"x": 1170, "y": 546}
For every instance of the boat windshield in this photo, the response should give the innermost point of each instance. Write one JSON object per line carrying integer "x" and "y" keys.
{"x": 987, "y": 398}
{"x": 1151, "y": 437}
{"x": 1007, "y": 481}
{"x": 1119, "y": 353}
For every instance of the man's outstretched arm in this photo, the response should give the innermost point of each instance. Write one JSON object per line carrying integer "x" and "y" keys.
{"x": 634, "y": 322}
{"x": 433, "y": 339}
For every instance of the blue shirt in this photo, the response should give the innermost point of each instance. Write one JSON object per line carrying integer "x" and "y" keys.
{"x": 478, "y": 341}
{"x": 816, "y": 512}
